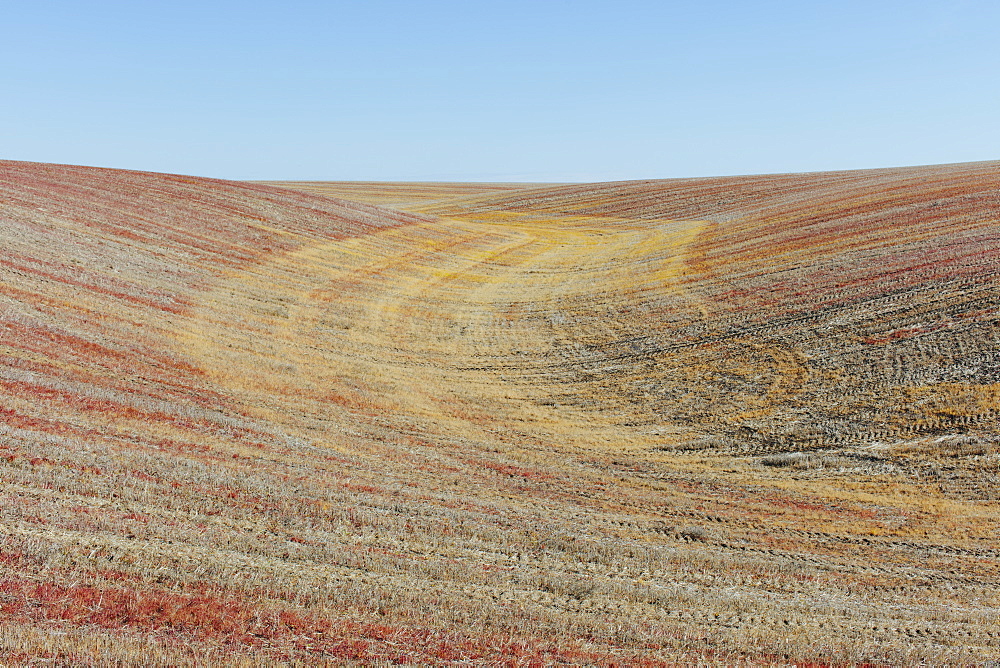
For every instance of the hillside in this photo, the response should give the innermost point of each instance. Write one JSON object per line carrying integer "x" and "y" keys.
{"x": 744, "y": 419}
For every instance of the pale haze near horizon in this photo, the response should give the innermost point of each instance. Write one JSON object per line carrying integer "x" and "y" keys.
{"x": 514, "y": 91}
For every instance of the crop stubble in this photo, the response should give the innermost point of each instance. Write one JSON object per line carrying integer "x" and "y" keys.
{"x": 750, "y": 419}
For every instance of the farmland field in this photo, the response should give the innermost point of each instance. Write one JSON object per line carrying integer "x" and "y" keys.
{"x": 740, "y": 421}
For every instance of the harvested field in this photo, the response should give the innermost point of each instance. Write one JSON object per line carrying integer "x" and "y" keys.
{"x": 740, "y": 421}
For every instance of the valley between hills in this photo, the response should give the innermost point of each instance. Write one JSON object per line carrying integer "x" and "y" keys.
{"x": 727, "y": 421}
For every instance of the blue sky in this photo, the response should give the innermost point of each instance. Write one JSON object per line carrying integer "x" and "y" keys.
{"x": 534, "y": 91}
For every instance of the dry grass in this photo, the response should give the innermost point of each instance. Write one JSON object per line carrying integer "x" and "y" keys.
{"x": 746, "y": 421}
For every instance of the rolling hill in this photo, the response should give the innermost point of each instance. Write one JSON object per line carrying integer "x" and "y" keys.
{"x": 743, "y": 420}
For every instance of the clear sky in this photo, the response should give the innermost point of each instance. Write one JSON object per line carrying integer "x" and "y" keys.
{"x": 518, "y": 90}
